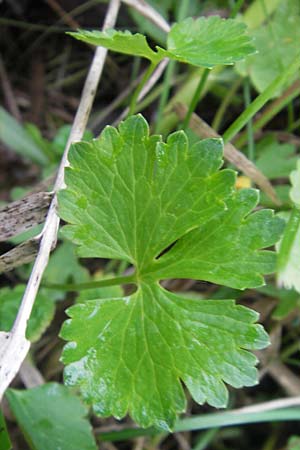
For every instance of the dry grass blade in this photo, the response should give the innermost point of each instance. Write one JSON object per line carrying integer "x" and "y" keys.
{"x": 234, "y": 156}
{"x": 13, "y": 349}
{"x": 23, "y": 214}
{"x": 16, "y": 344}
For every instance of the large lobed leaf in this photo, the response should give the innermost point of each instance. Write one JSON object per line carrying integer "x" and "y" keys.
{"x": 208, "y": 41}
{"x": 204, "y": 42}
{"x": 168, "y": 210}
{"x": 136, "y": 350}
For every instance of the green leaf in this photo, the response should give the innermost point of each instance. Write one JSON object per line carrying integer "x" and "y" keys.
{"x": 40, "y": 319}
{"x": 126, "y": 364}
{"x": 204, "y": 42}
{"x": 208, "y": 41}
{"x": 119, "y": 41}
{"x": 158, "y": 204}
{"x": 275, "y": 160}
{"x": 294, "y": 443}
{"x": 19, "y": 140}
{"x": 5, "y": 443}
{"x": 51, "y": 418}
{"x": 289, "y": 246}
{"x": 288, "y": 300}
{"x": 224, "y": 249}
{"x": 277, "y": 42}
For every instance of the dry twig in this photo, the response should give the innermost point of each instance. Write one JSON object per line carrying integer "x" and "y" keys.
{"x": 14, "y": 345}
{"x": 23, "y": 214}
{"x": 150, "y": 13}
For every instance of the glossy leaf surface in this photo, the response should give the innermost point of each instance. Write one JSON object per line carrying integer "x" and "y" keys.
{"x": 204, "y": 42}
{"x": 168, "y": 210}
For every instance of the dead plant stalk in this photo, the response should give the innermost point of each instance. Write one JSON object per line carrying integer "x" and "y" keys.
{"x": 14, "y": 345}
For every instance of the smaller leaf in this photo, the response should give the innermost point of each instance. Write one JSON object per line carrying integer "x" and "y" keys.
{"x": 42, "y": 313}
{"x": 209, "y": 41}
{"x": 51, "y": 418}
{"x": 204, "y": 42}
{"x": 119, "y": 41}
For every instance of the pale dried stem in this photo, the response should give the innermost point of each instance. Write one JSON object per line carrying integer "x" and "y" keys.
{"x": 269, "y": 406}
{"x": 233, "y": 155}
{"x": 150, "y": 13}
{"x": 49, "y": 233}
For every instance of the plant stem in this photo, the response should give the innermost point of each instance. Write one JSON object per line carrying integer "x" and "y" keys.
{"x": 287, "y": 242}
{"x": 247, "y": 97}
{"x": 216, "y": 123}
{"x": 170, "y": 71}
{"x": 275, "y": 410}
{"x": 236, "y": 8}
{"x": 183, "y": 10}
{"x": 136, "y": 93}
{"x": 205, "y": 439}
{"x": 261, "y": 100}
{"x": 277, "y": 105}
{"x": 195, "y": 99}
{"x": 147, "y": 87}
{"x": 131, "y": 279}
{"x": 291, "y": 115}
{"x": 165, "y": 92}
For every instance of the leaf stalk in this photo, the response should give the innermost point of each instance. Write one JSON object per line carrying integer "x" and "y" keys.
{"x": 131, "y": 279}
